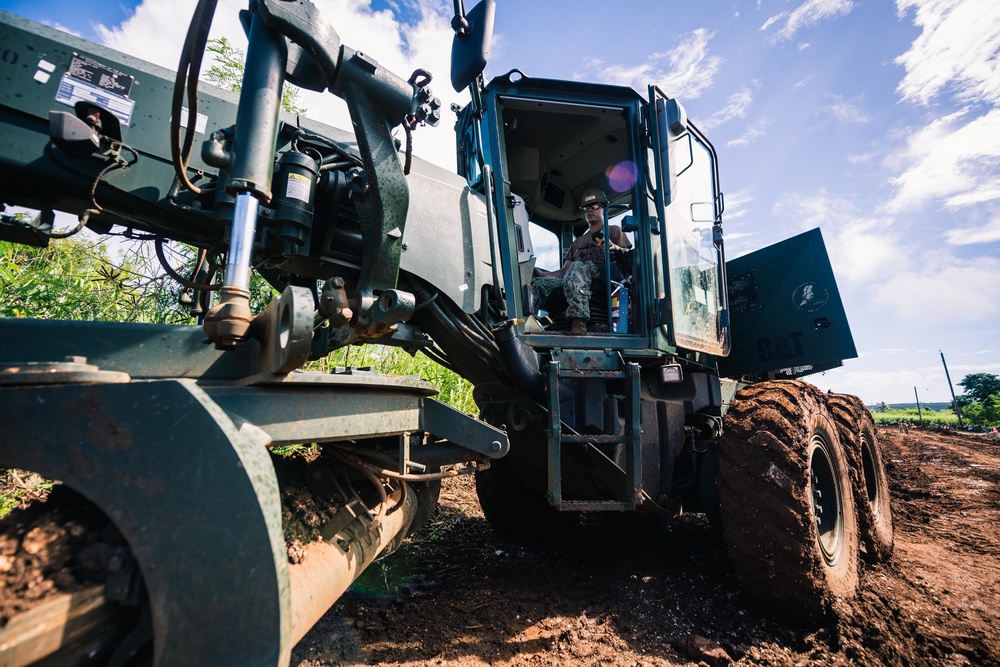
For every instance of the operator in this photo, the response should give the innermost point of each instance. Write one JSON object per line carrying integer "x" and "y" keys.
{"x": 584, "y": 261}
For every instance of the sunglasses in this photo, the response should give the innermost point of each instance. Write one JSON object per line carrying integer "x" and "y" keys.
{"x": 592, "y": 207}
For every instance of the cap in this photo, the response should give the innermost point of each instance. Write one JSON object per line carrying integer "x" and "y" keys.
{"x": 593, "y": 196}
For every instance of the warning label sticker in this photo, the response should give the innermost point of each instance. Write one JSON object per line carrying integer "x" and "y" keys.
{"x": 298, "y": 187}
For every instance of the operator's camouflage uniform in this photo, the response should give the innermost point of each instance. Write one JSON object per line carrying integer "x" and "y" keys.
{"x": 575, "y": 284}
{"x": 586, "y": 263}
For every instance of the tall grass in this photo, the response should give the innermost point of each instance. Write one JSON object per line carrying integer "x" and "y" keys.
{"x": 893, "y": 416}
{"x": 455, "y": 390}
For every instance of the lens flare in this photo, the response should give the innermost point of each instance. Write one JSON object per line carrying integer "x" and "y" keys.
{"x": 622, "y": 176}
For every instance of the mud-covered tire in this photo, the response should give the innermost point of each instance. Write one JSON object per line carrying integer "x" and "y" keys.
{"x": 516, "y": 511}
{"x": 795, "y": 551}
{"x": 856, "y": 429}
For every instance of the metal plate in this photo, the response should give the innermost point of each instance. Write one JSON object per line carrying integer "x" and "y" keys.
{"x": 73, "y": 369}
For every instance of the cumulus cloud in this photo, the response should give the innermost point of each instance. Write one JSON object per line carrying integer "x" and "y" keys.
{"x": 683, "y": 72}
{"x": 154, "y": 33}
{"x": 955, "y": 158}
{"x": 805, "y": 15}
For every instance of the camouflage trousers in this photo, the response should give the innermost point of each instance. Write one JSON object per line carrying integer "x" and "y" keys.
{"x": 575, "y": 284}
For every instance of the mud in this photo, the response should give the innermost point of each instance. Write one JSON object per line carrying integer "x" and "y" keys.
{"x": 59, "y": 546}
{"x": 632, "y": 591}
{"x": 623, "y": 590}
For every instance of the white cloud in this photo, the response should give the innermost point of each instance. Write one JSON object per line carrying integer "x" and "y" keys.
{"x": 846, "y": 112}
{"x": 683, "y": 72}
{"x": 952, "y": 159}
{"x": 156, "y": 30}
{"x": 771, "y": 21}
{"x": 805, "y": 15}
{"x": 737, "y": 204}
{"x": 988, "y": 233}
{"x": 964, "y": 287}
{"x": 60, "y": 26}
{"x": 736, "y": 107}
{"x": 861, "y": 158}
{"x": 752, "y": 134}
{"x": 959, "y": 47}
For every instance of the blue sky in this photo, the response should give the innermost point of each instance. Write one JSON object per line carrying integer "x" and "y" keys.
{"x": 877, "y": 121}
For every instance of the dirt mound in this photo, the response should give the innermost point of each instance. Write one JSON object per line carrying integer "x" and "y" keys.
{"x": 628, "y": 590}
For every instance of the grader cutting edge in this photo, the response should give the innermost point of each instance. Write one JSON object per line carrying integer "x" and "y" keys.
{"x": 175, "y": 535}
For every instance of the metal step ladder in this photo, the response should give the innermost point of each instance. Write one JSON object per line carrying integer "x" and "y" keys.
{"x": 579, "y": 364}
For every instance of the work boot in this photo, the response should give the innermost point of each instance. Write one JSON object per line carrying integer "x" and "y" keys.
{"x": 579, "y": 327}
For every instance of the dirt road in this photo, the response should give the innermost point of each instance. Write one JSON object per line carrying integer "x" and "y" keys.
{"x": 630, "y": 591}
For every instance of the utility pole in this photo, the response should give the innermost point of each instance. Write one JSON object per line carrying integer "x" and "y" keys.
{"x": 954, "y": 401}
{"x": 920, "y": 415}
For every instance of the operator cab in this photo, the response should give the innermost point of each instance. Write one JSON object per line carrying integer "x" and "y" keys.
{"x": 551, "y": 144}
{"x": 543, "y": 144}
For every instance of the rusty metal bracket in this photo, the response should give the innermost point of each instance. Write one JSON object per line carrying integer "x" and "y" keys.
{"x": 284, "y": 331}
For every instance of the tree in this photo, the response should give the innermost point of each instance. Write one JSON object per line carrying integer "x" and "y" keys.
{"x": 882, "y": 407}
{"x": 227, "y": 72}
{"x": 980, "y": 386}
{"x": 75, "y": 279}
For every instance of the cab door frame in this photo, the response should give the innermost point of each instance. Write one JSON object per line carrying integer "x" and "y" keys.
{"x": 692, "y": 303}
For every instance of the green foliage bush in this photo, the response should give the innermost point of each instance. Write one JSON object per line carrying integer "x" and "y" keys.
{"x": 893, "y": 416}
{"x": 75, "y": 279}
{"x": 455, "y": 390}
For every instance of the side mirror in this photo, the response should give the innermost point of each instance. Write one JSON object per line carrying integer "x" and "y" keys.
{"x": 671, "y": 122}
{"x": 471, "y": 49}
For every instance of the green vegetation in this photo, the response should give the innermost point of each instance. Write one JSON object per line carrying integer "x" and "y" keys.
{"x": 980, "y": 406}
{"x": 980, "y": 403}
{"x": 75, "y": 279}
{"x": 456, "y": 391}
{"x": 227, "y": 72}
{"x": 892, "y": 416}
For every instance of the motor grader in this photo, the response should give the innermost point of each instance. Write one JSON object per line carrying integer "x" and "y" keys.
{"x": 171, "y": 509}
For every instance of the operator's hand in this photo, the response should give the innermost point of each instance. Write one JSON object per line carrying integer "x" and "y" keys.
{"x": 615, "y": 251}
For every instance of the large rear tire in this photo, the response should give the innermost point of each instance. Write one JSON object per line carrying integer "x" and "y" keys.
{"x": 785, "y": 496}
{"x": 868, "y": 479}
{"x": 516, "y": 511}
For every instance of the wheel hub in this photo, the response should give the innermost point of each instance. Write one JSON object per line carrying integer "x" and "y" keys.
{"x": 825, "y": 501}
